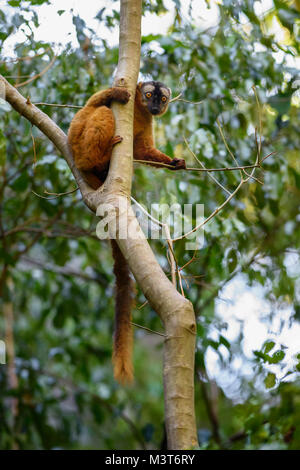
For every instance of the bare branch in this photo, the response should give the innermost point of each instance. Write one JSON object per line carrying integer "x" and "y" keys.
{"x": 45, "y": 124}
{"x": 213, "y": 214}
{"x": 64, "y": 270}
{"x": 40, "y": 74}
{"x": 39, "y": 235}
{"x": 59, "y": 105}
{"x": 28, "y": 57}
{"x": 148, "y": 329}
{"x": 178, "y": 98}
{"x": 204, "y": 169}
{"x": 259, "y": 119}
{"x": 227, "y": 146}
{"x": 34, "y": 149}
{"x": 55, "y": 195}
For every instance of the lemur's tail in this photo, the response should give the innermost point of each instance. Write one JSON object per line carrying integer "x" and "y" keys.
{"x": 123, "y": 336}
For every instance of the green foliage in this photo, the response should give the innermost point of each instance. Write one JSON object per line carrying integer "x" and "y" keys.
{"x": 57, "y": 276}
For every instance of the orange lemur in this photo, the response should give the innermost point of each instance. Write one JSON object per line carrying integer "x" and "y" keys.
{"x": 91, "y": 138}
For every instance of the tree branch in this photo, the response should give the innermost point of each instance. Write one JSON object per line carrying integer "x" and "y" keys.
{"x": 64, "y": 271}
{"x": 40, "y": 74}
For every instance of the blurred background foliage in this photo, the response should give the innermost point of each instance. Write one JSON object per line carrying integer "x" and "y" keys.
{"x": 56, "y": 281}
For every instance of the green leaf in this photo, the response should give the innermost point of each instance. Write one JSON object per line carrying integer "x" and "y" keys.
{"x": 7, "y": 257}
{"x": 297, "y": 312}
{"x": 21, "y": 183}
{"x": 148, "y": 431}
{"x": 280, "y": 102}
{"x": 224, "y": 341}
{"x": 100, "y": 13}
{"x": 60, "y": 316}
{"x": 268, "y": 346}
{"x": 14, "y": 3}
{"x": 270, "y": 380}
{"x": 80, "y": 28}
{"x": 232, "y": 260}
{"x": 274, "y": 206}
{"x": 260, "y": 355}
{"x": 213, "y": 344}
{"x": 277, "y": 357}
{"x": 98, "y": 413}
{"x": 38, "y": 2}
{"x": 288, "y": 17}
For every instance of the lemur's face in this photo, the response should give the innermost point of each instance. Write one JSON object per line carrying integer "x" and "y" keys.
{"x": 155, "y": 97}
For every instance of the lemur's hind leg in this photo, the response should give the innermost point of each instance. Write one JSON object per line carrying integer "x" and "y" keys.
{"x": 92, "y": 179}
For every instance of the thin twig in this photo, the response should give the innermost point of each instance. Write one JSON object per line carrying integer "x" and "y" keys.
{"x": 28, "y": 57}
{"x": 190, "y": 261}
{"x": 242, "y": 182}
{"x": 39, "y": 235}
{"x": 143, "y": 305}
{"x": 203, "y": 167}
{"x": 58, "y": 105}
{"x": 177, "y": 98}
{"x": 215, "y": 212}
{"x": 147, "y": 329}
{"x": 18, "y": 85}
{"x": 226, "y": 168}
{"x": 55, "y": 195}
{"x": 17, "y": 172}
{"x": 259, "y": 119}
{"x": 16, "y": 76}
{"x": 227, "y": 146}
{"x": 173, "y": 261}
{"x": 158, "y": 164}
{"x": 34, "y": 149}
{"x": 104, "y": 402}
{"x": 267, "y": 156}
{"x": 65, "y": 271}
{"x": 204, "y": 170}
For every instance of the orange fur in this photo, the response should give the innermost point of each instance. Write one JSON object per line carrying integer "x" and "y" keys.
{"x": 91, "y": 135}
{"x": 123, "y": 336}
{"x": 91, "y": 138}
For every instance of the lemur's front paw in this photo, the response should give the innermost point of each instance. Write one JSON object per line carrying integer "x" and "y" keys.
{"x": 178, "y": 164}
{"x": 121, "y": 95}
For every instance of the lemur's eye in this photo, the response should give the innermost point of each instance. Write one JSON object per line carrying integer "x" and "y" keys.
{"x": 164, "y": 99}
{"x": 148, "y": 95}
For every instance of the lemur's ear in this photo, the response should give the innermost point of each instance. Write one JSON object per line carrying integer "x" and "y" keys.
{"x": 139, "y": 85}
{"x": 170, "y": 91}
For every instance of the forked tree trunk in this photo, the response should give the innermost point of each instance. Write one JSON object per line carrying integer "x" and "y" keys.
{"x": 176, "y": 312}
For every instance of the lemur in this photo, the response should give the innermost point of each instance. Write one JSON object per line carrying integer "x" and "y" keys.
{"x": 91, "y": 138}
